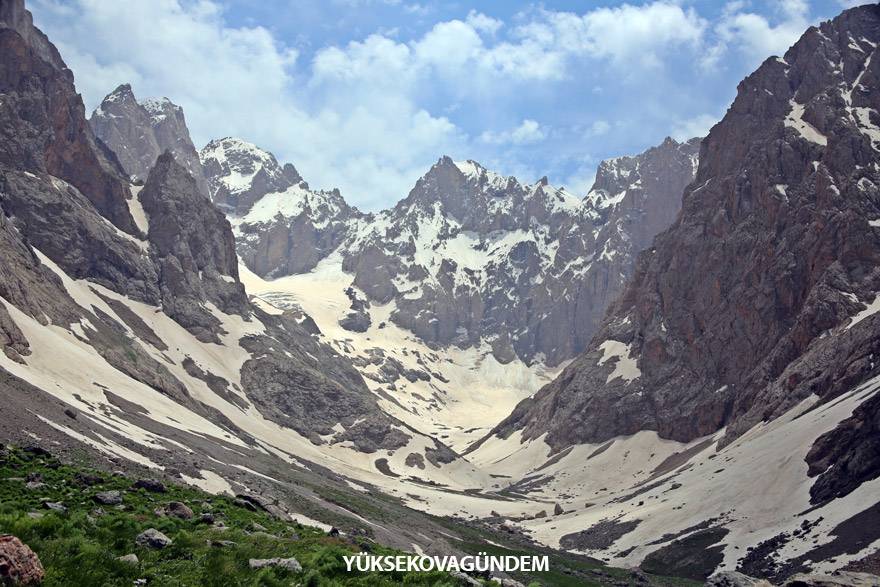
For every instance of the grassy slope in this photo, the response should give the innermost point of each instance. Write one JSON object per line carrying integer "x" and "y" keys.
{"x": 80, "y": 548}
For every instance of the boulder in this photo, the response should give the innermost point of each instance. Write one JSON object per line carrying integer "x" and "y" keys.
{"x": 131, "y": 559}
{"x": 179, "y": 510}
{"x": 108, "y": 497}
{"x": 19, "y": 565}
{"x": 149, "y": 485}
{"x": 152, "y": 538}
{"x": 734, "y": 579}
{"x": 87, "y": 479}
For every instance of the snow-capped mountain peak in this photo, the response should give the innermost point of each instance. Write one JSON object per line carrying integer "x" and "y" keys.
{"x": 240, "y": 173}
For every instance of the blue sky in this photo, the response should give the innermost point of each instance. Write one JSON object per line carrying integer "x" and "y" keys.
{"x": 365, "y": 95}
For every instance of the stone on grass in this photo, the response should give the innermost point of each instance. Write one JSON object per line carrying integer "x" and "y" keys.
{"x": 179, "y": 510}
{"x": 152, "y": 538}
{"x": 108, "y": 497}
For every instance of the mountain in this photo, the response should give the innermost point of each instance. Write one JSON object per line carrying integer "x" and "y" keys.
{"x": 461, "y": 254}
{"x": 751, "y": 290}
{"x": 701, "y": 329}
{"x": 129, "y": 340}
{"x": 138, "y": 132}
{"x": 748, "y": 334}
{"x": 240, "y": 173}
{"x": 282, "y": 226}
{"x": 452, "y": 264}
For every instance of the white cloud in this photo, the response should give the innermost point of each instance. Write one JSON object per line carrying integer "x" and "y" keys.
{"x": 754, "y": 34}
{"x": 627, "y": 34}
{"x": 483, "y": 23}
{"x": 529, "y": 131}
{"x": 698, "y": 126}
{"x": 599, "y": 128}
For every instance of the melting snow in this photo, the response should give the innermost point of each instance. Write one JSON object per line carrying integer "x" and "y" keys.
{"x": 870, "y": 310}
{"x": 625, "y": 366}
{"x": 805, "y": 129}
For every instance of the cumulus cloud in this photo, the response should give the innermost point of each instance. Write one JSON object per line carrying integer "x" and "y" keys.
{"x": 242, "y": 81}
{"x": 483, "y": 23}
{"x": 527, "y": 132}
{"x": 755, "y": 35}
{"x": 626, "y": 34}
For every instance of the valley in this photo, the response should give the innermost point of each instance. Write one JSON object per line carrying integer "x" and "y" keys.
{"x": 668, "y": 377}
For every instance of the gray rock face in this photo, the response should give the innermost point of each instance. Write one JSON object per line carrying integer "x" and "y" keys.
{"x": 471, "y": 257}
{"x": 745, "y": 305}
{"x": 282, "y": 226}
{"x": 42, "y": 123}
{"x": 846, "y": 457}
{"x": 193, "y": 248}
{"x": 138, "y": 132}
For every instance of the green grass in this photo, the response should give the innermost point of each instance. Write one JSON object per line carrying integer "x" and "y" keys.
{"x": 80, "y": 548}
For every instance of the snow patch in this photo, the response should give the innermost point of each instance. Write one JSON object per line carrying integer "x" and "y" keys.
{"x": 625, "y": 367}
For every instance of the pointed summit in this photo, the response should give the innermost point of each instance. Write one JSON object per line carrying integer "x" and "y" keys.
{"x": 138, "y": 132}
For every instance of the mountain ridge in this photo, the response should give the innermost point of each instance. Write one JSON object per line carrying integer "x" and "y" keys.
{"x": 378, "y": 248}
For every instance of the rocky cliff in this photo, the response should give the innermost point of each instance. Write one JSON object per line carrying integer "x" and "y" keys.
{"x": 472, "y": 257}
{"x": 138, "y": 132}
{"x": 763, "y": 292}
{"x": 44, "y": 129}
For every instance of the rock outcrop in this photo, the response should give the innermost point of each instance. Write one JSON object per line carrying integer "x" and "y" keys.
{"x": 138, "y": 132}
{"x": 86, "y": 253}
{"x": 239, "y": 173}
{"x": 469, "y": 257}
{"x": 193, "y": 248}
